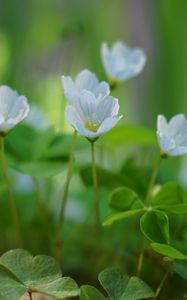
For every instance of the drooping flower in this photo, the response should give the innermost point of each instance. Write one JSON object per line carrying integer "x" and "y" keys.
{"x": 122, "y": 63}
{"x": 85, "y": 80}
{"x": 172, "y": 135}
{"x": 13, "y": 109}
{"x": 92, "y": 116}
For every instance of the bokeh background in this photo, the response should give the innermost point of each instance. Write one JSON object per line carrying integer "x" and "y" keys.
{"x": 41, "y": 40}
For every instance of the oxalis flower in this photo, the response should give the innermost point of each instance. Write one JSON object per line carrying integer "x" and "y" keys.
{"x": 172, "y": 135}
{"x": 85, "y": 80}
{"x": 92, "y": 116}
{"x": 120, "y": 62}
{"x": 13, "y": 109}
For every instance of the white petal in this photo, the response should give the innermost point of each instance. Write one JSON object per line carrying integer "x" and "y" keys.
{"x": 86, "y": 80}
{"x": 13, "y": 108}
{"x": 102, "y": 89}
{"x": 84, "y": 131}
{"x": 106, "y": 108}
{"x": 121, "y": 63}
{"x": 167, "y": 144}
{"x": 108, "y": 61}
{"x": 1, "y": 119}
{"x": 108, "y": 124}
{"x": 134, "y": 64}
{"x": 162, "y": 125}
{"x": 119, "y": 48}
{"x": 87, "y": 102}
{"x": 7, "y": 99}
{"x": 70, "y": 89}
{"x": 178, "y": 151}
{"x": 178, "y": 124}
{"x": 72, "y": 115}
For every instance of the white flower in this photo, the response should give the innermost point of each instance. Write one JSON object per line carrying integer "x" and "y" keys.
{"x": 120, "y": 62}
{"x": 92, "y": 116}
{"x": 85, "y": 80}
{"x": 172, "y": 135}
{"x": 13, "y": 109}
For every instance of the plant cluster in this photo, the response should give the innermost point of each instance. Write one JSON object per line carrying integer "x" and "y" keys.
{"x": 134, "y": 197}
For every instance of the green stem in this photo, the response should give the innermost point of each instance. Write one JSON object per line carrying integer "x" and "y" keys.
{"x": 147, "y": 202}
{"x": 65, "y": 195}
{"x": 10, "y": 195}
{"x": 141, "y": 257}
{"x": 42, "y": 209}
{"x": 152, "y": 180}
{"x": 161, "y": 284}
{"x": 96, "y": 191}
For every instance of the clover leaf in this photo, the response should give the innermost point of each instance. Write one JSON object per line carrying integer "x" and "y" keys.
{"x": 20, "y": 272}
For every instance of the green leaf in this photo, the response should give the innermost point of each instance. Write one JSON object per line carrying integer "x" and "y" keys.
{"x": 121, "y": 287}
{"x": 42, "y": 142}
{"x": 105, "y": 177}
{"x": 10, "y": 287}
{"x": 38, "y": 274}
{"x": 169, "y": 194}
{"x": 167, "y": 250}
{"x": 180, "y": 268}
{"x": 61, "y": 288}
{"x": 130, "y": 176}
{"x": 135, "y": 176}
{"x": 114, "y": 282}
{"x": 20, "y": 142}
{"x": 29, "y": 152}
{"x": 119, "y": 216}
{"x": 155, "y": 226}
{"x": 137, "y": 289}
{"x": 88, "y": 292}
{"x": 124, "y": 134}
{"x": 39, "y": 168}
{"x": 124, "y": 198}
{"x": 175, "y": 209}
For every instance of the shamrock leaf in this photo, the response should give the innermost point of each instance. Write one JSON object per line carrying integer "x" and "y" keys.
{"x": 20, "y": 272}
{"x": 120, "y": 287}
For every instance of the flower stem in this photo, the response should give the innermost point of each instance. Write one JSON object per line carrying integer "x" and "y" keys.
{"x": 58, "y": 241}
{"x": 147, "y": 202}
{"x": 161, "y": 284}
{"x": 96, "y": 191}
{"x": 10, "y": 195}
{"x": 42, "y": 209}
{"x": 141, "y": 257}
{"x": 152, "y": 180}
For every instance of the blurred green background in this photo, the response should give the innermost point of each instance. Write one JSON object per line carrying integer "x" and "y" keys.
{"x": 41, "y": 40}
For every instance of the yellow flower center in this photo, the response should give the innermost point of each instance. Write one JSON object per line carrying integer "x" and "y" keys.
{"x": 92, "y": 126}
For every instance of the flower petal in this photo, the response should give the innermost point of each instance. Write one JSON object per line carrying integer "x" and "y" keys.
{"x": 102, "y": 89}
{"x": 7, "y": 99}
{"x": 121, "y": 63}
{"x": 108, "y": 124}
{"x": 86, "y": 80}
{"x": 87, "y": 103}
{"x": 106, "y": 108}
{"x": 133, "y": 64}
{"x": 162, "y": 125}
{"x": 178, "y": 124}
{"x": 178, "y": 151}
{"x": 70, "y": 89}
